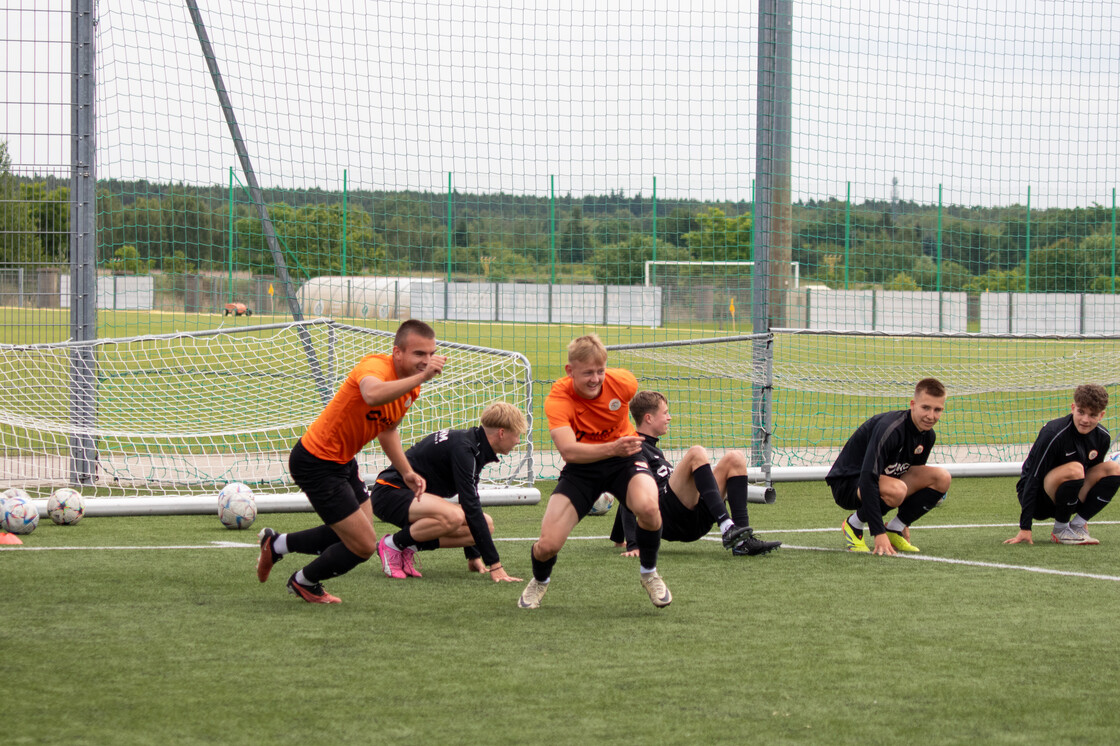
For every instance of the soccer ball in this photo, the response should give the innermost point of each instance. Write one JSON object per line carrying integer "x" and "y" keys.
{"x": 66, "y": 506}
{"x": 236, "y": 507}
{"x": 18, "y": 514}
{"x": 603, "y": 505}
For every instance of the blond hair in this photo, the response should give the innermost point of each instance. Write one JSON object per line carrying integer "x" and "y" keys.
{"x": 587, "y": 349}
{"x": 504, "y": 416}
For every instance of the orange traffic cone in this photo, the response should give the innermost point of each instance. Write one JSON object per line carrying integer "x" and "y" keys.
{"x": 6, "y": 538}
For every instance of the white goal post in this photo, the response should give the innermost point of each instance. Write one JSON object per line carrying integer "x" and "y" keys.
{"x": 795, "y": 266}
{"x": 158, "y": 424}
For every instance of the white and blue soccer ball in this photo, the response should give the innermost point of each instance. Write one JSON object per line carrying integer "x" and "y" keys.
{"x": 603, "y": 505}
{"x": 18, "y": 515}
{"x": 237, "y": 509}
{"x": 66, "y": 506}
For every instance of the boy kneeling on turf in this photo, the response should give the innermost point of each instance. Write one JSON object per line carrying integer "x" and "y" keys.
{"x": 1066, "y": 476}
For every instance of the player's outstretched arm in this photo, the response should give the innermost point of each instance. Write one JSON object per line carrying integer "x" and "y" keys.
{"x": 390, "y": 441}
{"x": 575, "y": 452}
{"x": 1024, "y": 535}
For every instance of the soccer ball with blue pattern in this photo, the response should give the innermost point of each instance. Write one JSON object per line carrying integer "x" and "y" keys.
{"x": 237, "y": 508}
{"x": 18, "y": 515}
{"x": 603, "y": 505}
{"x": 66, "y": 506}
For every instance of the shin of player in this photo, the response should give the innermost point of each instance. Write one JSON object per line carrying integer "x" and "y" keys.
{"x": 883, "y": 467}
{"x": 588, "y": 422}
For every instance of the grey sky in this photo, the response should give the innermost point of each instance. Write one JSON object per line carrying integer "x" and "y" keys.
{"x": 602, "y": 95}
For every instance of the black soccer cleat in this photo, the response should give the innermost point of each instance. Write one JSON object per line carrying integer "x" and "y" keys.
{"x": 734, "y": 534}
{"x": 751, "y": 546}
{"x": 312, "y": 594}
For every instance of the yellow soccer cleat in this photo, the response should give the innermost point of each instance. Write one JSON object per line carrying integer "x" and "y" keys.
{"x": 853, "y": 540}
{"x": 899, "y": 542}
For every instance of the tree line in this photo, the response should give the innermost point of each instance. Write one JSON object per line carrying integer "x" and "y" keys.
{"x": 144, "y": 226}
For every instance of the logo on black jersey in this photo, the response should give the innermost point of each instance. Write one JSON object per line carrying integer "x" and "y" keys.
{"x": 442, "y": 435}
{"x": 919, "y": 449}
{"x": 896, "y": 469}
{"x": 1092, "y": 454}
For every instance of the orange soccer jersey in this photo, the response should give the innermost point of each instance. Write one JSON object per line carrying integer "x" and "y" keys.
{"x": 599, "y": 420}
{"x": 348, "y": 423}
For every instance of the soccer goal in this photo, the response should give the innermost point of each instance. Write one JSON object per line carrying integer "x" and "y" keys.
{"x": 792, "y": 397}
{"x": 174, "y": 417}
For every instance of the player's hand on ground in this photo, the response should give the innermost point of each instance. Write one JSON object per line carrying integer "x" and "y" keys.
{"x": 434, "y": 367}
{"x": 416, "y": 482}
{"x": 475, "y": 564}
{"x": 883, "y": 546}
{"x": 501, "y": 576}
{"x": 1020, "y": 537}
{"x": 627, "y": 445}
{"x": 629, "y": 553}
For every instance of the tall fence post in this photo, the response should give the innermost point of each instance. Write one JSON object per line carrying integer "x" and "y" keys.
{"x": 83, "y": 246}
{"x": 770, "y": 284}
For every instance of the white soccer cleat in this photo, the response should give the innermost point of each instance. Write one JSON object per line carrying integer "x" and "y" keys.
{"x": 657, "y": 590}
{"x": 531, "y": 596}
{"x": 1070, "y": 535}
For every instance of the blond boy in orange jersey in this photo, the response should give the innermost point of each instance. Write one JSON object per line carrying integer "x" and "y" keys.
{"x": 588, "y": 420}
{"x": 370, "y": 404}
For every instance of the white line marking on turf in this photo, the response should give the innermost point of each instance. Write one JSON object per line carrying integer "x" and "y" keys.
{"x": 211, "y": 545}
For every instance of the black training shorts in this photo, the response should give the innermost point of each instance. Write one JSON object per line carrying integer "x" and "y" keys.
{"x": 583, "y": 483}
{"x": 335, "y": 490}
{"x": 678, "y": 523}
{"x": 391, "y": 502}
{"x": 845, "y": 491}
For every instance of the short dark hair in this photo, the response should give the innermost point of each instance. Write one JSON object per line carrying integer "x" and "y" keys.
{"x": 645, "y": 402}
{"x": 931, "y": 386}
{"x": 1091, "y": 397}
{"x": 412, "y": 326}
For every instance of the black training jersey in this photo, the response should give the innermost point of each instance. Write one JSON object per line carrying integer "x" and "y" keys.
{"x": 1058, "y": 443}
{"x": 888, "y": 444}
{"x": 658, "y": 464}
{"x": 451, "y": 462}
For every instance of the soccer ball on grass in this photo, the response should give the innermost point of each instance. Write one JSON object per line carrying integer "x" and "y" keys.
{"x": 66, "y": 506}
{"x": 18, "y": 515}
{"x": 603, "y": 505}
{"x": 236, "y": 507}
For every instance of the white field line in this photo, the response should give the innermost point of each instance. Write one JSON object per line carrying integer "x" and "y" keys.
{"x": 710, "y": 537}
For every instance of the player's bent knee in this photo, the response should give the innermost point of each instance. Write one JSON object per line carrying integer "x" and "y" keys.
{"x": 546, "y": 548}
{"x": 696, "y": 455}
{"x": 737, "y": 460}
{"x": 942, "y": 480}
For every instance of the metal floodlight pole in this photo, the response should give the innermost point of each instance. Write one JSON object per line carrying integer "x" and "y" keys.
{"x": 257, "y": 196}
{"x": 83, "y": 246}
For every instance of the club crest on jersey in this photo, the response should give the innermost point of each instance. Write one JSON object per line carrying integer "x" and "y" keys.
{"x": 615, "y": 405}
{"x": 1092, "y": 454}
{"x": 919, "y": 449}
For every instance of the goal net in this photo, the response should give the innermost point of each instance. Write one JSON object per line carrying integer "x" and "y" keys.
{"x": 792, "y": 398}
{"x": 183, "y": 414}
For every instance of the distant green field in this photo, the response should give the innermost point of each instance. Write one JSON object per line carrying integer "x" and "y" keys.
{"x": 1001, "y": 391}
